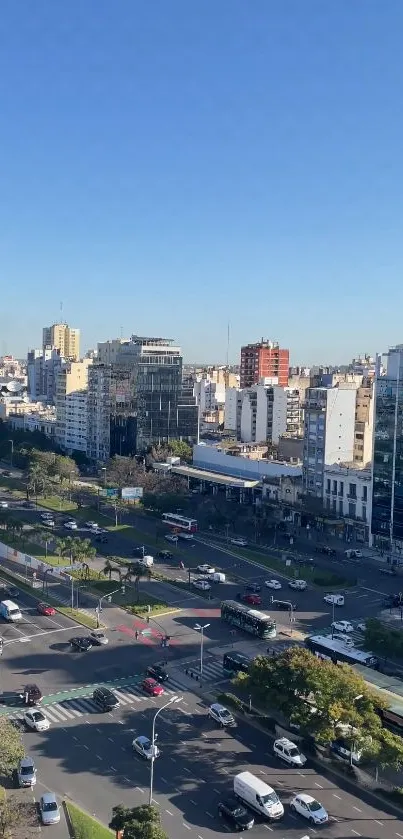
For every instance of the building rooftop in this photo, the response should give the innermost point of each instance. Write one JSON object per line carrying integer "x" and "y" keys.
{"x": 213, "y": 477}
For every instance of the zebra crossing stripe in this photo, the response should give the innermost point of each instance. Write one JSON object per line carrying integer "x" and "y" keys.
{"x": 125, "y": 700}
{"x": 68, "y": 712}
{"x": 72, "y": 711}
{"x": 55, "y": 715}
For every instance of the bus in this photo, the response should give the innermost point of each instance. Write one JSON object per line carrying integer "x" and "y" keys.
{"x": 234, "y": 662}
{"x": 332, "y": 650}
{"x": 250, "y": 620}
{"x": 180, "y": 522}
{"x": 390, "y": 690}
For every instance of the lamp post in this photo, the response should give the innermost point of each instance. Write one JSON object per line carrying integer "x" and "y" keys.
{"x": 201, "y": 629}
{"x": 98, "y": 608}
{"x": 352, "y": 746}
{"x": 12, "y": 452}
{"x": 72, "y": 472}
{"x": 103, "y": 469}
{"x": 171, "y": 701}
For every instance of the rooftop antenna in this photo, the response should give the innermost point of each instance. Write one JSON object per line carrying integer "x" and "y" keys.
{"x": 61, "y": 311}
{"x": 228, "y": 326}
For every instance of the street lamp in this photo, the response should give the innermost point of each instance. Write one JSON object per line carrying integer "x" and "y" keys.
{"x": 173, "y": 700}
{"x": 12, "y": 451}
{"x": 103, "y": 469}
{"x": 201, "y": 629}
{"x": 352, "y": 745}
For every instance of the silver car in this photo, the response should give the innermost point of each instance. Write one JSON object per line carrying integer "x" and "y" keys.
{"x": 49, "y": 808}
{"x": 26, "y": 772}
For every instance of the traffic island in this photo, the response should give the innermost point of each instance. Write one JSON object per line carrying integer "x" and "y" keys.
{"x": 83, "y": 826}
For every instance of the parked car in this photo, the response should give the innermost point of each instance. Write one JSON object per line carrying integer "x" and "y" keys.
{"x": 92, "y": 524}
{"x": 165, "y": 555}
{"x": 307, "y": 806}
{"x": 241, "y": 543}
{"x": 26, "y": 772}
{"x": 45, "y": 609}
{"x": 388, "y": 572}
{"x": 49, "y": 808}
{"x": 152, "y": 687}
{"x": 342, "y": 626}
{"x": 49, "y": 523}
{"x": 362, "y": 627}
{"x": 157, "y": 672}
{"x": 170, "y": 537}
{"x": 205, "y": 569}
{"x": 251, "y": 599}
{"x": 233, "y": 812}
{"x": 336, "y": 599}
{"x": 143, "y": 746}
{"x": 253, "y": 588}
{"x": 352, "y": 553}
{"x": 81, "y": 643}
{"x": 70, "y": 525}
{"x": 325, "y": 549}
{"x": 36, "y": 720}
{"x": 275, "y": 584}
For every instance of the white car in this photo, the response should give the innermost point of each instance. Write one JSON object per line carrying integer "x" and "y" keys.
{"x": 299, "y": 585}
{"x": 99, "y": 638}
{"x": 336, "y": 599}
{"x": 143, "y": 746}
{"x": 242, "y": 543}
{"x": 221, "y": 715}
{"x": 36, "y": 720}
{"x": 308, "y": 807}
{"x": 287, "y": 750}
{"x": 3, "y": 505}
{"x": 171, "y": 538}
{"x": 202, "y": 585}
{"x": 342, "y": 626}
{"x": 70, "y": 525}
{"x": 46, "y": 516}
{"x": 273, "y": 584}
{"x": 48, "y": 523}
{"x": 92, "y": 525}
{"x": 206, "y": 569}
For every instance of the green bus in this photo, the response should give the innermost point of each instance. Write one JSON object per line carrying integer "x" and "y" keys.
{"x": 234, "y": 662}
{"x": 250, "y": 620}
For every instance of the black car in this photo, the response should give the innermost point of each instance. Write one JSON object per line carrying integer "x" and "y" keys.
{"x": 12, "y": 591}
{"x": 253, "y": 588}
{"x": 325, "y": 549}
{"x": 106, "y": 699}
{"x": 81, "y": 643}
{"x": 235, "y": 813}
{"x": 30, "y": 696}
{"x": 101, "y": 538}
{"x": 157, "y": 672}
{"x": 165, "y": 555}
{"x": 283, "y": 605}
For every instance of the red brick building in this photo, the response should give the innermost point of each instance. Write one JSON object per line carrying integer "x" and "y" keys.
{"x": 264, "y": 360}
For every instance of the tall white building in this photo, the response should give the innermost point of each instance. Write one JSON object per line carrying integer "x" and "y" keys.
{"x": 42, "y": 368}
{"x": 210, "y": 396}
{"x": 71, "y": 405}
{"x": 329, "y": 432}
{"x": 257, "y": 414}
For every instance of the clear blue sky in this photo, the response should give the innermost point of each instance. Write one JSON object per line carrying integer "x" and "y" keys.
{"x": 168, "y": 166}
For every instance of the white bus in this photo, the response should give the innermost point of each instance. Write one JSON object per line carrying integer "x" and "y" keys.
{"x": 332, "y": 650}
{"x": 180, "y": 522}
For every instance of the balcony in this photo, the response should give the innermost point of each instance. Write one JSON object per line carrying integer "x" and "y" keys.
{"x": 352, "y": 497}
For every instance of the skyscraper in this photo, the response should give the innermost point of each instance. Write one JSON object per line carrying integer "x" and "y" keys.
{"x": 264, "y": 360}
{"x": 387, "y": 470}
{"x": 64, "y": 338}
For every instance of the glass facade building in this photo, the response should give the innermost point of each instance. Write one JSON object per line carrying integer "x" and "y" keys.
{"x": 387, "y": 492}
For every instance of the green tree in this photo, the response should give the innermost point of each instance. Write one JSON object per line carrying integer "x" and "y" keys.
{"x": 60, "y": 547}
{"x": 381, "y": 639}
{"x": 179, "y": 448}
{"x": 136, "y": 570}
{"x": 10, "y": 813}
{"x": 387, "y": 750}
{"x": 11, "y": 750}
{"x": 142, "y": 822}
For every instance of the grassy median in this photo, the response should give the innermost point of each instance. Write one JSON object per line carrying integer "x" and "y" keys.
{"x": 84, "y": 826}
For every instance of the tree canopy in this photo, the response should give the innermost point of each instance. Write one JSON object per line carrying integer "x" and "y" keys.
{"x": 142, "y": 822}
{"x": 11, "y": 750}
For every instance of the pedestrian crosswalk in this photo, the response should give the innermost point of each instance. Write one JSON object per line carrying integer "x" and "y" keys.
{"x": 212, "y": 670}
{"x": 72, "y": 709}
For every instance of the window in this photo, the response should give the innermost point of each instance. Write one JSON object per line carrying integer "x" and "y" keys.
{"x": 328, "y": 485}
{"x": 341, "y": 489}
{"x": 352, "y": 490}
{"x": 351, "y": 510}
{"x": 365, "y": 493}
{"x": 341, "y": 506}
{"x": 334, "y": 488}
{"x": 364, "y": 512}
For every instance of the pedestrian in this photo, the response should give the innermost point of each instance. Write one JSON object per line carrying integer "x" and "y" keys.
{"x": 136, "y": 634}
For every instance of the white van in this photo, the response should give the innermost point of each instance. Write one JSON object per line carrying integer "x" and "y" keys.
{"x": 10, "y": 611}
{"x": 258, "y": 795}
{"x": 216, "y": 577}
{"x": 148, "y": 561}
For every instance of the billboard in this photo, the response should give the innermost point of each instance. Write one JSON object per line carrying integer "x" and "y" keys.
{"x": 132, "y": 493}
{"x": 109, "y": 492}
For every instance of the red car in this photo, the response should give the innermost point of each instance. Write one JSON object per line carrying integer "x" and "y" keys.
{"x": 45, "y": 609}
{"x": 152, "y": 687}
{"x": 251, "y": 599}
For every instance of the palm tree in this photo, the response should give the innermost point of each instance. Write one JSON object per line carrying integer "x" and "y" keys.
{"x": 136, "y": 570}
{"x": 60, "y": 547}
{"x": 108, "y": 569}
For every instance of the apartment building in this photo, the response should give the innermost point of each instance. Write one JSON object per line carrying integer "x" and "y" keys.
{"x": 257, "y": 414}
{"x": 264, "y": 359}
{"x": 348, "y": 493}
{"x": 329, "y": 431}
{"x": 71, "y": 405}
{"x": 99, "y": 412}
{"x": 64, "y": 338}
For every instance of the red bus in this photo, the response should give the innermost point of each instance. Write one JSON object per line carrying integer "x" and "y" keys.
{"x": 180, "y": 522}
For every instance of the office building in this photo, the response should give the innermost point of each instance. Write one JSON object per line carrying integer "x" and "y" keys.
{"x": 387, "y": 476}
{"x": 264, "y": 360}
{"x": 64, "y": 338}
{"x": 71, "y": 406}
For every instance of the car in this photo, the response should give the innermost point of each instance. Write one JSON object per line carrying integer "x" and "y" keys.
{"x": 298, "y": 585}
{"x": 45, "y": 609}
{"x": 188, "y": 537}
{"x": 334, "y": 599}
{"x": 100, "y": 538}
{"x": 31, "y": 695}
{"x": 36, "y": 720}
{"x": 152, "y": 687}
{"x": 205, "y": 569}
{"x": 325, "y": 549}
{"x": 92, "y": 524}
{"x": 342, "y": 749}
{"x": 49, "y": 808}
{"x": 70, "y": 525}
{"x": 105, "y": 698}
{"x": 352, "y": 553}
{"x": 98, "y": 638}
{"x": 235, "y": 813}
{"x": 6, "y": 473}
{"x": 343, "y": 638}
{"x": 144, "y": 747}
{"x": 308, "y": 807}
{"x": 273, "y": 584}
{"x": 388, "y": 572}
{"x": 48, "y": 523}
{"x": 287, "y": 750}
{"x": 46, "y": 516}
{"x": 3, "y": 505}
{"x": 165, "y": 555}
{"x": 157, "y": 672}
{"x": 171, "y": 538}
{"x": 26, "y": 772}
{"x": 342, "y": 626}
{"x": 253, "y": 588}
{"x": 362, "y": 627}
{"x": 81, "y": 643}
{"x": 12, "y": 591}
{"x": 241, "y": 543}
{"x": 221, "y": 714}
{"x": 251, "y": 599}
{"x": 202, "y": 585}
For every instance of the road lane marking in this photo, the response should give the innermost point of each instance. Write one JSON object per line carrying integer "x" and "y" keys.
{"x": 357, "y": 808}
{"x": 318, "y": 785}
{"x": 355, "y": 832}
{"x": 186, "y": 825}
{"x": 86, "y": 747}
{"x": 380, "y": 823}
{"x": 173, "y": 759}
{"x": 267, "y": 827}
{"x": 185, "y": 769}
{"x": 209, "y": 814}
{"x": 110, "y": 739}
{"x": 336, "y": 796}
{"x": 113, "y": 769}
{"x": 216, "y": 790}
{"x": 99, "y": 757}
{"x": 140, "y": 790}
{"x": 169, "y": 812}
{"x": 399, "y": 835}
{"x": 191, "y": 800}
{"x": 163, "y": 779}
